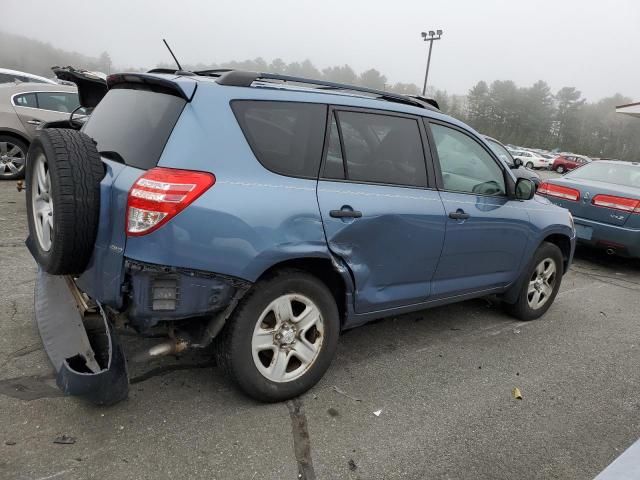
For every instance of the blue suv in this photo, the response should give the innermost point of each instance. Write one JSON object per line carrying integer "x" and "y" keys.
{"x": 265, "y": 214}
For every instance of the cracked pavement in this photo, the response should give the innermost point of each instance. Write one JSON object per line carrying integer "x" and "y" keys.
{"x": 442, "y": 379}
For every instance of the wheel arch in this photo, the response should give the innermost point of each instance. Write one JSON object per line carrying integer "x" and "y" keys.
{"x": 329, "y": 271}
{"x": 15, "y": 134}
{"x": 563, "y": 242}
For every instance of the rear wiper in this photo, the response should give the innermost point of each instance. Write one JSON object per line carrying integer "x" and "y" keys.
{"x": 114, "y": 156}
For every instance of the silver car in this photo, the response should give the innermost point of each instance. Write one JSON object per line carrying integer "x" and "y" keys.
{"x": 23, "y": 108}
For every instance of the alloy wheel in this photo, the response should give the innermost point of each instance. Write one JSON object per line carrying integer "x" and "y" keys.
{"x": 541, "y": 283}
{"x": 42, "y": 202}
{"x": 12, "y": 159}
{"x": 287, "y": 338}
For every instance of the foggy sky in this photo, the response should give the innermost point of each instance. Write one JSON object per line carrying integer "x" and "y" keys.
{"x": 592, "y": 45}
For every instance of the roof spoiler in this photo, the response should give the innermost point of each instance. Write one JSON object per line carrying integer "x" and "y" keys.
{"x": 180, "y": 87}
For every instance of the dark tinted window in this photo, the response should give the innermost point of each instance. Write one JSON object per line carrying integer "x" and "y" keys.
{"x": 25, "y": 100}
{"x": 286, "y": 137}
{"x": 135, "y": 124}
{"x": 382, "y": 149}
{"x": 65, "y": 102}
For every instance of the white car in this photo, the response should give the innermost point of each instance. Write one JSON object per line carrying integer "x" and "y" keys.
{"x": 532, "y": 160}
{"x": 14, "y": 76}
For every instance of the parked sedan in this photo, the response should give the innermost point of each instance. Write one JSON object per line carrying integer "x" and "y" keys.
{"x": 532, "y": 160}
{"x": 604, "y": 198}
{"x": 23, "y": 108}
{"x": 565, "y": 163}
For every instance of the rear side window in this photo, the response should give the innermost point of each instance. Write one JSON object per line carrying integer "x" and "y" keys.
{"x": 25, "y": 100}
{"x": 286, "y": 137}
{"x": 58, "y": 101}
{"x": 134, "y": 125}
{"x": 377, "y": 148}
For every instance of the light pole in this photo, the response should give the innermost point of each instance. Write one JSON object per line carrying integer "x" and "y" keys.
{"x": 429, "y": 37}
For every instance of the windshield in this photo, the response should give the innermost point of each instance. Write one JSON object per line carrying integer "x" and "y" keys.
{"x": 502, "y": 153}
{"x": 617, "y": 173}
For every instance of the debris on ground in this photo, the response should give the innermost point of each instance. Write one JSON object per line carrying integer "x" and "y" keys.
{"x": 377, "y": 413}
{"x": 352, "y": 465}
{"x": 65, "y": 440}
{"x": 10, "y": 442}
{"x": 342, "y": 392}
{"x": 516, "y": 393}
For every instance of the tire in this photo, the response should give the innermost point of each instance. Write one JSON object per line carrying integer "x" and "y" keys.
{"x": 529, "y": 165}
{"x": 560, "y": 169}
{"x": 13, "y": 155}
{"x": 249, "y": 350}
{"x": 523, "y": 309}
{"x": 63, "y": 174}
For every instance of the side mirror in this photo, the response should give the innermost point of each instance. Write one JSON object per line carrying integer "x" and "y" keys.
{"x": 525, "y": 189}
{"x": 517, "y": 162}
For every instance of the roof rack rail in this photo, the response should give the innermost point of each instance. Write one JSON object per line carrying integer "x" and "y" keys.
{"x": 240, "y": 78}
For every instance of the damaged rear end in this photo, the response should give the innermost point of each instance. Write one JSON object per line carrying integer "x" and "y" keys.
{"x": 76, "y": 310}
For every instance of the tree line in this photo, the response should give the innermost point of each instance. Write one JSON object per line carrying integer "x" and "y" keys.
{"x": 527, "y": 116}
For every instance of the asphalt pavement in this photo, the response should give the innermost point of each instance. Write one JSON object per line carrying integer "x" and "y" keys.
{"x": 441, "y": 381}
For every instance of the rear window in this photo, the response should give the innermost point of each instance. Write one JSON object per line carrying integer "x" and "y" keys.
{"x": 286, "y": 137}
{"x": 134, "y": 125}
{"x": 617, "y": 173}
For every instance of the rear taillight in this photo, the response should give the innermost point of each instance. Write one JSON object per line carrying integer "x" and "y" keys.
{"x": 160, "y": 194}
{"x": 553, "y": 190}
{"x": 617, "y": 203}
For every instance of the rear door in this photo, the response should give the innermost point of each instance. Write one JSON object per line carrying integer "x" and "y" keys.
{"x": 36, "y": 108}
{"x": 486, "y": 231}
{"x": 379, "y": 210}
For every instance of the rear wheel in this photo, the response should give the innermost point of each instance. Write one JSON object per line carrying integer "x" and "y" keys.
{"x": 529, "y": 165}
{"x": 541, "y": 286}
{"x": 560, "y": 169}
{"x": 13, "y": 153}
{"x": 281, "y": 338}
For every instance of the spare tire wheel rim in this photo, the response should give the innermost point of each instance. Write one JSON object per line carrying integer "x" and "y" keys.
{"x": 11, "y": 158}
{"x": 42, "y": 203}
{"x": 287, "y": 338}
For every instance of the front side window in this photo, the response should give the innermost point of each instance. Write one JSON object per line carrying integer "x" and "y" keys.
{"x": 65, "y": 102}
{"x": 501, "y": 152}
{"x": 465, "y": 165}
{"x": 286, "y": 137}
{"x": 25, "y": 100}
{"x": 380, "y": 149}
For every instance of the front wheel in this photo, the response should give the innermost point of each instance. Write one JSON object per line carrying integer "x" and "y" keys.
{"x": 529, "y": 165}
{"x": 560, "y": 169}
{"x": 542, "y": 283}
{"x": 281, "y": 338}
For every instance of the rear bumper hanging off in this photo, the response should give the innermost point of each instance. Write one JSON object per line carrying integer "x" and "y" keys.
{"x": 80, "y": 343}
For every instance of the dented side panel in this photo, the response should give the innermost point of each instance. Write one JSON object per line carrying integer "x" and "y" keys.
{"x": 408, "y": 226}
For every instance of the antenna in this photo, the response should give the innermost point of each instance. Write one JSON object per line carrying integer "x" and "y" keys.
{"x": 171, "y": 52}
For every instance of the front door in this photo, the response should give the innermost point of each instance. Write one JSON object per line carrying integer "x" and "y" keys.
{"x": 378, "y": 213}
{"x": 486, "y": 231}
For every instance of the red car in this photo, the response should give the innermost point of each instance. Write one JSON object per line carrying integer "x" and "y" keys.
{"x": 564, "y": 163}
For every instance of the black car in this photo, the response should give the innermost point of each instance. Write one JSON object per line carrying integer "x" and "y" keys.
{"x": 514, "y": 164}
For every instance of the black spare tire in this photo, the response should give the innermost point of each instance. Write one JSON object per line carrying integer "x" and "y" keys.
{"x": 63, "y": 175}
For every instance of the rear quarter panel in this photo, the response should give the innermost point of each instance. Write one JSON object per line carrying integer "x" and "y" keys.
{"x": 250, "y": 219}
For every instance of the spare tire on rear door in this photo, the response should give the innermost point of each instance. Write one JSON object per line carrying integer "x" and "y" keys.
{"x": 63, "y": 175}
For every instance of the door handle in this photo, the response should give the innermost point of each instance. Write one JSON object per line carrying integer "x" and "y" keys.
{"x": 345, "y": 214}
{"x": 34, "y": 122}
{"x": 459, "y": 215}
